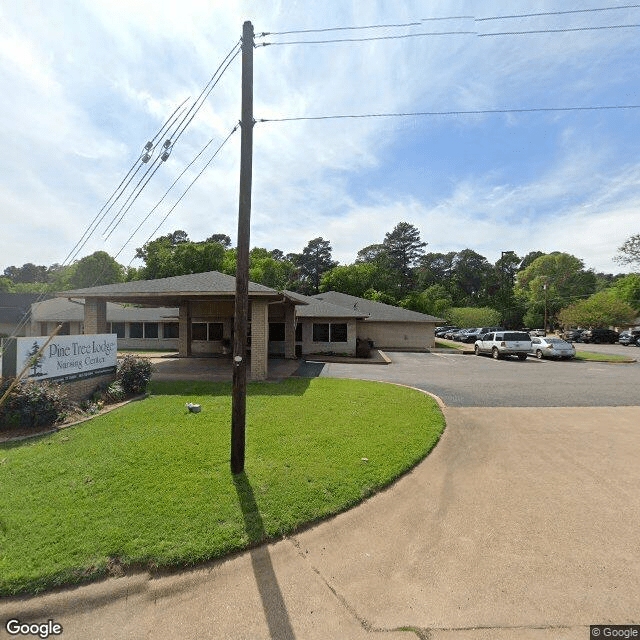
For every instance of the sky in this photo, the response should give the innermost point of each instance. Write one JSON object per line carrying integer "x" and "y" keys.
{"x": 86, "y": 83}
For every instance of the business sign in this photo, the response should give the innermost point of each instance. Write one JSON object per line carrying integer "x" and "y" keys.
{"x": 67, "y": 358}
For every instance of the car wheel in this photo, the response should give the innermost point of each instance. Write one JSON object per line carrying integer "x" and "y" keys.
{"x": 495, "y": 353}
{"x": 477, "y": 350}
{"x": 539, "y": 354}
{"x": 522, "y": 356}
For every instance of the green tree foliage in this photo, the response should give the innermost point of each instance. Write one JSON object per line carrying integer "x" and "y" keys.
{"x": 94, "y": 270}
{"x": 312, "y": 263}
{"x": 629, "y": 252}
{"x": 220, "y": 238}
{"x": 602, "y": 309}
{"x": 269, "y": 271}
{"x": 404, "y": 248}
{"x": 473, "y": 316}
{"x": 353, "y": 279}
{"x": 174, "y": 255}
{"x": 26, "y": 274}
{"x": 566, "y": 282}
{"x": 434, "y": 300}
{"x": 627, "y": 289}
{"x": 529, "y": 258}
{"x": 6, "y": 286}
{"x": 473, "y": 274}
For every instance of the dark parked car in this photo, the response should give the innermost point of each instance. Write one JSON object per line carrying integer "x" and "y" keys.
{"x": 474, "y": 334}
{"x": 631, "y": 336}
{"x": 600, "y": 335}
{"x": 440, "y": 331}
{"x": 572, "y": 335}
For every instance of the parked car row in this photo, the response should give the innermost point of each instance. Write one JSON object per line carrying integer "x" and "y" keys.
{"x": 598, "y": 336}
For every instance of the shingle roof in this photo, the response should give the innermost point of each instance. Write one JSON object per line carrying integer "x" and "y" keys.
{"x": 62, "y": 310}
{"x": 14, "y": 305}
{"x": 208, "y": 283}
{"x": 375, "y": 311}
{"x": 311, "y": 308}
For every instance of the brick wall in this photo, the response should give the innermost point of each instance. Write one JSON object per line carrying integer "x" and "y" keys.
{"x": 259, "y": 339}
{"x": 82, "y": 389}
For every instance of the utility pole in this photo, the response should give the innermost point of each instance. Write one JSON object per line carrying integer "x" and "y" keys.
{"x": 239, "y": 393}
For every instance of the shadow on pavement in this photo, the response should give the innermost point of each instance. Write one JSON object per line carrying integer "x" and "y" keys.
{"x": 309, "y": 370}
{"x": 275, "y": 610}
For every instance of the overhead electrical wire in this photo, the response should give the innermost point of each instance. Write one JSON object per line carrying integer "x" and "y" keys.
{"x": 173, "y": 138}
{"x": 558, "y": 13}
{"x": 79, "y": 245}
{"x": 188, "y": 188}
{"x": 451, "y": 113}
{"x": 396, "y": 37}
{"x": 519, "y": 33}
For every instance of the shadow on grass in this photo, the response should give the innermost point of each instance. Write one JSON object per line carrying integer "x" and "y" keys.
{"x": 275, "y": 610}
{"x": 289, "y": 387}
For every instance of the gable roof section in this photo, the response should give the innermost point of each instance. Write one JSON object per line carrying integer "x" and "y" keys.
{"x": 309, "y": 307}
{"x": 375, "y": 311}
{"x": 62, "y": 310}
{"x": 195, "y": 284}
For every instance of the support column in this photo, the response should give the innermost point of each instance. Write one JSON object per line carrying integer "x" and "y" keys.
{"x": 290, "y": 332}
{"x": 259, "y": 339}
{"x": 184, "y": 330}
{"x": 95, "y": 315}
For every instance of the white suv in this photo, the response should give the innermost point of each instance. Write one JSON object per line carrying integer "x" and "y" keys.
{"x": 504, "y": 343}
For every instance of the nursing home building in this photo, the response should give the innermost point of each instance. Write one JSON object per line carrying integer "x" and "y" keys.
{"x": 194, "y": 314}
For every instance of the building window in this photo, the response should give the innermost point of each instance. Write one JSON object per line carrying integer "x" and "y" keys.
{"x": 136, "y": 330}
{"x": 198, "y": 330}
{"x": 118, "y": 329}
{"x": 320, "y": 332}
{"x": 299, "y": 332}
{"x": 338, "y": 333}
{"x": 150, "y": 329}
{"x": 171, "y": 330}
{"x": 276, "y": 332}
{"x": 216, "y": 331}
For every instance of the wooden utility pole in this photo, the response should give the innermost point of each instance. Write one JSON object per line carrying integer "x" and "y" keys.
{"x": 239, "y": 393}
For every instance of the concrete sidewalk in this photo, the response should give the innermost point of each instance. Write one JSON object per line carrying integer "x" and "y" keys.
{"x": 521, "y": 524}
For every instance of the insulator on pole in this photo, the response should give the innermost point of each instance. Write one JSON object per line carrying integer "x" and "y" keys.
{"x": 167, "y": 143}
{"x": 149, "y": 145}
{"x": 146, "y": 157}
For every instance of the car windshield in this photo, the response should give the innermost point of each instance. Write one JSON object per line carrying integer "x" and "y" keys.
{"x": 517, "y": 336}
{"x": 556, "y": 341}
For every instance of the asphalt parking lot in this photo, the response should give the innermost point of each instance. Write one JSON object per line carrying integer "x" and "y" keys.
{"x": 479, "y": 381}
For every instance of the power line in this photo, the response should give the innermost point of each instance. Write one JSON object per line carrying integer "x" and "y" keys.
{"x": 162, "y": 198}
{"x": 188, "y": 188}
{"x": 370, "y": 26}
{"x": 397, "y": 37}
{"x": 519, "y": 33}
{"x": 558, "y": 13}
{"x": 451, "y": 113}
{"x": 89, "y": 230}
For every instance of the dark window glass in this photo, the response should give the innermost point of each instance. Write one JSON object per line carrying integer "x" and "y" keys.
{"x": 299, "y": 332}
{"x": 171, "y": 330}
{"x": 118, "y": 329}
{"x": 320, "y": 332}
{"x": 150, "y": 329}
{"x": 516, "y": 336}
{"x": 338, "y": 333}
{"x": 135, "y": 330}
{"x": 199, "y": 331}
{"x": 216, "y": 330}
{"x": 276, "y": 332}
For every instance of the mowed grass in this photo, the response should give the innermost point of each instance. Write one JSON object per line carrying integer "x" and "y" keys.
{"x": 149, "y": 484}
{"x": 601, "y": 357}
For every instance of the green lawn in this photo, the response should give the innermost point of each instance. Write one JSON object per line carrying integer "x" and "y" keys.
{"x": 601, "y": 357}
{"x": 149, "y": 484}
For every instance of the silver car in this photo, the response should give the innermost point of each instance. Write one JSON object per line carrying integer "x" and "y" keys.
{"x": 552, "y": 348}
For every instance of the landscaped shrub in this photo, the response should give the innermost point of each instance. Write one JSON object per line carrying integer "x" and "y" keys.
{"x": 134, "y": 374}
{"x": 33, "y": 404}
{"x": 115, "y": 392}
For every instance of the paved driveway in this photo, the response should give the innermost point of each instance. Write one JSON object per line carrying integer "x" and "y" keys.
{"x": 479, "y": 381}
{"x": 522, "y": 524}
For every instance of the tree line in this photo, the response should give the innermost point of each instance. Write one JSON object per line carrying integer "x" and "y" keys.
{"x": 459, "y": 286}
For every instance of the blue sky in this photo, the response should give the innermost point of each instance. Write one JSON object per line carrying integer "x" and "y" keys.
{"x": 87, "y": 83}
